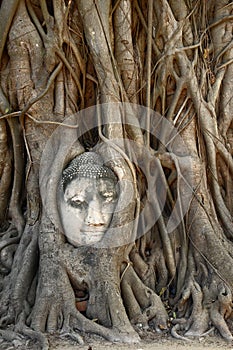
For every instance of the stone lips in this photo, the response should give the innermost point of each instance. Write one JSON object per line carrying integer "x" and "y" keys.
{"x": 62, "y": 141}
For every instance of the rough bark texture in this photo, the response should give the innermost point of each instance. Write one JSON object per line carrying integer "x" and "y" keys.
{"x": 58, "y": 57}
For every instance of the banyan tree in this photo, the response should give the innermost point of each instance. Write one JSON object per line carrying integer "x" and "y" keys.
{"x": 144, "y": 89}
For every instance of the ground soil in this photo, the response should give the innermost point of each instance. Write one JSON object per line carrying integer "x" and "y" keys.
{"x": 151, "y": 342}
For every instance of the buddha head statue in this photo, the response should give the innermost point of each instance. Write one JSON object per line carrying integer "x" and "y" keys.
{"x": 89, "y": 196}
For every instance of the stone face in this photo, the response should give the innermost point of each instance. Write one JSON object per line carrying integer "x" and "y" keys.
{"x": 88, "y": 199}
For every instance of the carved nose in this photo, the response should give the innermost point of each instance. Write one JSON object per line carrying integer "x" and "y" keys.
{"x": 94, "y": 215}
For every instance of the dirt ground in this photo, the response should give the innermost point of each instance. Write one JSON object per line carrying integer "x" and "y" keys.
{"x": 156, "y": 342}
{"x": 151, "y": 342}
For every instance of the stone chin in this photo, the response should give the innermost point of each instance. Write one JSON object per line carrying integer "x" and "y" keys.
{"x": 85, "y": 238}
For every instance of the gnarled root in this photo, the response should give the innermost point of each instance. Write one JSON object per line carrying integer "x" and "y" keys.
{"x": 220, "y": 311}
{"x": 55, "y": 310}
{"x": 199, "y": 319}
{"x": 16, "y": 285}
{"x": 143, "y": 305}
{"x": 174, "y": 332}
{"x": 204, "y": 312}
{"x": 8, "y": 244}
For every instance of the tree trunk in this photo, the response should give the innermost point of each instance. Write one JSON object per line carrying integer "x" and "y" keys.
{"x": 146, "y": 85}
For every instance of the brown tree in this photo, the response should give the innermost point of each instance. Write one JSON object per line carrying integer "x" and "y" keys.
{"x": 59, "y": 57}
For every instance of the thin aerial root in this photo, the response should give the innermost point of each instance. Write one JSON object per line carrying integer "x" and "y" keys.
{"x": 26, "y": 274}
{"x": 34, "y": 335}
{"x": 174, "y": 333}
{"x": 207, "y": 332}
{"x": 7, "y": 256}
{"x": 72, "y": 335}
{"x": 10, "y": 335}
{"x": 7, "y": 319}
{"x": 7, "y": 242}
{"x": 16, "y": 196}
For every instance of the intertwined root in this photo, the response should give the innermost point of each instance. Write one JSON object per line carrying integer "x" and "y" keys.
{"x": 64, "y": 271}
{"x": 63, "y": 317}
{"x": 143, "y": 305}
{"x": 221, "y": 310}
{"x": 209, "y": 311}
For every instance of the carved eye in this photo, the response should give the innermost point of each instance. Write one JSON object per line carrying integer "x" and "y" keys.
{"x": 108, "y": 197}
{"x": 77, "y": 203}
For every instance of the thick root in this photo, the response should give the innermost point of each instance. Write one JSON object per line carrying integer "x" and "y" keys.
{"x": 205, "y": 313}
{"x": 143, "y": 305}
{"x": 219, "y": 322}
{"x": 199, "y": 319}
{"x": 55, "y": 310}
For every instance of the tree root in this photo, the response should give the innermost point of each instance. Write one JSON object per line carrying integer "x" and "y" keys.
{"x": 20, "y": 331}
{"x": 55, "y": 309}
{"x": 218, "y": 320}
{"x": 143, "y": 305}
{"x": 26, "y": 275}
{"x": 83, "y": 324}
{"x": 174, "y": 333}
{"x": 5, "y": 173}
{"x": 202, "y": 316}
{"x": 72, "y": 321}
{"x": 72, "y": 335}
{"x": 199, "y": 318}
{"x": 144, "y": 270}
{"x": 17, "y": 284}
{"x": 8, "y": 243}
{"x": 10, "y": 335}
{"x": 21, "y": 328}
{"x": 7, "y": 255}
{"x": 15, "y": 202}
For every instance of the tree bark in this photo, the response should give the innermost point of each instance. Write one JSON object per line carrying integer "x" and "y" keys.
{"x": 147, "y": 86}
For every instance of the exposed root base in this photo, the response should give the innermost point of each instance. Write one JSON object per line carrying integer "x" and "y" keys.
{"x": 206, "y": 312}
